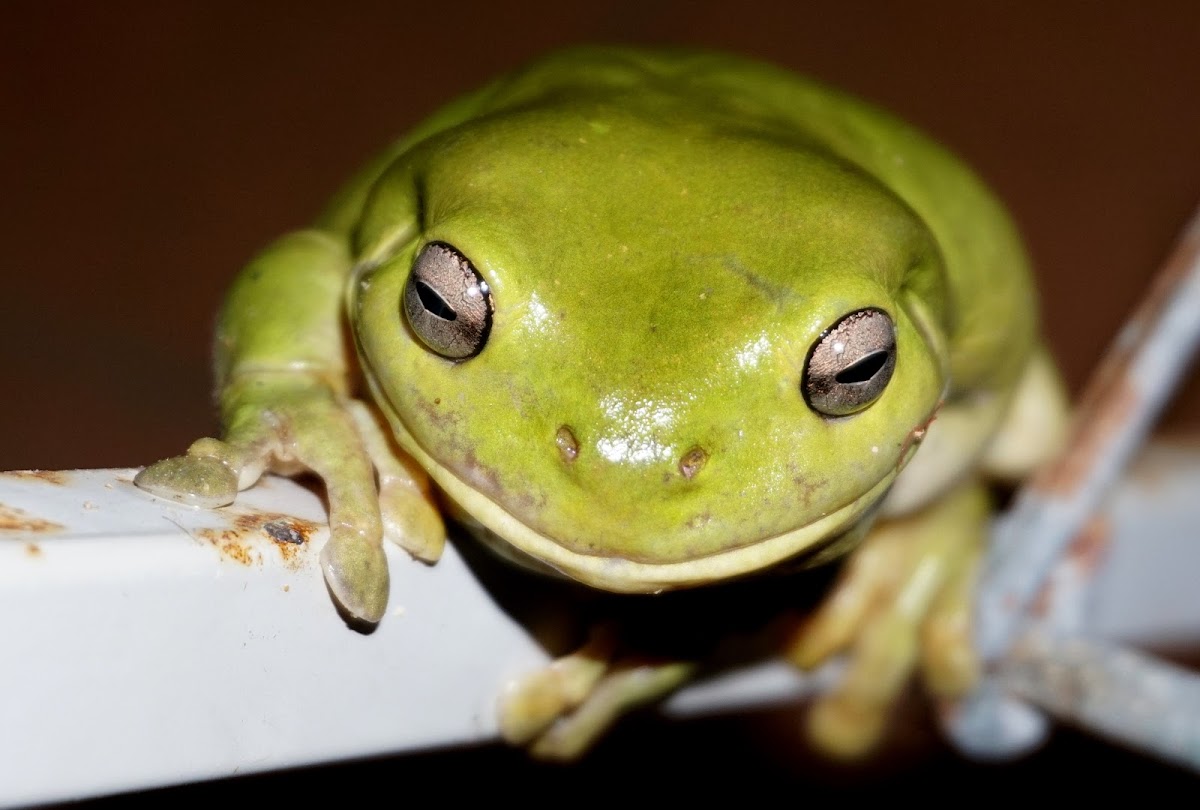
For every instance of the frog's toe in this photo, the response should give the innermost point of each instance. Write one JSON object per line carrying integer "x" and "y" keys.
{"x": 869, "y": 575}
{"x": 532, "y": 703}
{"x": 845, "y": 728}
{"x": 356, "y": 572}
{"x": 851, "y": 719}
{"x": 630, "y": 684}
{"x": 193, "y": 480}
{"x": 407, "y": 505}
{"x": 848, "y": 721}
{"x": 411, "y": 521}
{"x": 562, "y": 710}
{"x": 950, "y": 664}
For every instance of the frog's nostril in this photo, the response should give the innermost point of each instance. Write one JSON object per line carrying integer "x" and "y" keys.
{"x": 692, "y": 462}
{"x": 568, "y": 445}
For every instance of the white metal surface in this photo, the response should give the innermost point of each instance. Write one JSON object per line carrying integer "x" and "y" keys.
{"x": 145, "y": 643}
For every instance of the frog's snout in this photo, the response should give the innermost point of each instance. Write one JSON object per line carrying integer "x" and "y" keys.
{"x": 689, "y": 465}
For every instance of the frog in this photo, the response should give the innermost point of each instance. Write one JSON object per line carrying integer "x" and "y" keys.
{"x": 650, "y": 320}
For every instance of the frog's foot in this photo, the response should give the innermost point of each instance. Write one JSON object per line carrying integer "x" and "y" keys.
{"x": 194, "y": 479}
{"x": 906, "y": 595}
{"x": 559, "y": 712}
{"x": 292, "y": 421}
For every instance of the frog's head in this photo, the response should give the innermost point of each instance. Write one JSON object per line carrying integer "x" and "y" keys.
{"x": 649, "y": 352}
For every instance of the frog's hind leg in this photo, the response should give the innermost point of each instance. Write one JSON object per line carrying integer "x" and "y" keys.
{"x": 1035, "y": 426}
{"x": 903, "y": 602}
{"x": 560, "y": 711}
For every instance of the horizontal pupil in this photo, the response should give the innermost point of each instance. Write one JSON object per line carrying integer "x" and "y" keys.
{"x": 863, "y": 370}
{"x": 434, "y": 303}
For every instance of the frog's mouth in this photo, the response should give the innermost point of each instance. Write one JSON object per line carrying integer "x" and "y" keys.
{"x": 623, "y": 575}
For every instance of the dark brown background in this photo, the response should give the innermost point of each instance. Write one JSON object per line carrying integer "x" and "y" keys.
{"x": 147, "y": 149}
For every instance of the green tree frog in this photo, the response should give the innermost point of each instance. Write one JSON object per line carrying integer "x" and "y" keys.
{"x": 652, "y": 320}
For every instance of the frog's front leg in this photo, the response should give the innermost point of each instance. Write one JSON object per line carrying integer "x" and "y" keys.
{"x": 561, "y": 710}
{"x": 283, "y": 374}
{"x": 904, "y": 597}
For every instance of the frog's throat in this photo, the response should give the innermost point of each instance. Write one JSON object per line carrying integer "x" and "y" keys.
{"x": 622, "y": 575}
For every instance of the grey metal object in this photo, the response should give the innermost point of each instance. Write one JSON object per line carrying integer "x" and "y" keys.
{"x": 1113, "y": 691}
{"x": 1120, "y": 404}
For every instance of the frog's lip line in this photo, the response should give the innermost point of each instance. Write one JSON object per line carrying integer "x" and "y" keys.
{"x": 629, "y": 576}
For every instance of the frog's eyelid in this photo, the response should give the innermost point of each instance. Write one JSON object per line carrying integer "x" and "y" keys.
{"x": 387, "y": 245}
{"x": 447, "y": 302}
{"x": 850, "y": 365}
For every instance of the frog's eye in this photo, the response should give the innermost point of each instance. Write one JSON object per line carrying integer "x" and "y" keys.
{"x": 851, "y": 364}
{"x": 447, "y": 302}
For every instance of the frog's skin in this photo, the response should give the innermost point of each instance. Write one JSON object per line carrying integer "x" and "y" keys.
{"x": 653, "y": 260}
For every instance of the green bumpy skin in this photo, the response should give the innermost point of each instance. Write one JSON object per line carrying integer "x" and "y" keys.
{"x": 665, "y": 237}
